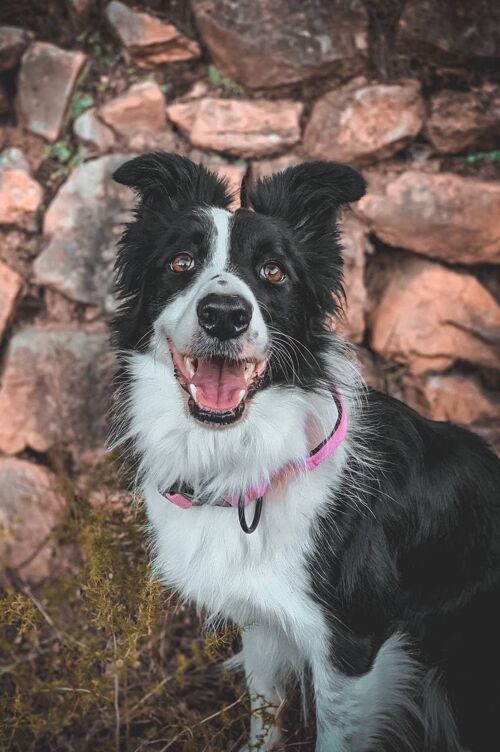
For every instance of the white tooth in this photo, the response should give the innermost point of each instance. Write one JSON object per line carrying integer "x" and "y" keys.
{"x": 249, "y": 369}
{"x": 192, "y": 391}
{"x": 243, "y": 394}
{"x": 189, "y": 363}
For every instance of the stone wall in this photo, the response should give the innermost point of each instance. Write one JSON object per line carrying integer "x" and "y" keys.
{"x": 247, "y": 88}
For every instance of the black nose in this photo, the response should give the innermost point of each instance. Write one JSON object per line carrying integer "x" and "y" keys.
{"x": 224, "y": 316}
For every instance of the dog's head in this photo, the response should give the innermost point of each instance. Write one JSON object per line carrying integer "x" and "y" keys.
{"x": 235, "y": 302}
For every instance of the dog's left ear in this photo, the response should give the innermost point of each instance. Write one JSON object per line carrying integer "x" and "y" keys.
{"x": 173, "y": 181}
{"x": 308, "y": 195}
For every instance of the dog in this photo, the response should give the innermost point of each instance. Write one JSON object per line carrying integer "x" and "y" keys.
{"x": 355, "y": 543}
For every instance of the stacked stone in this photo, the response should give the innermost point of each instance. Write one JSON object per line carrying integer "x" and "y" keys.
{"x": 422, "y": 248}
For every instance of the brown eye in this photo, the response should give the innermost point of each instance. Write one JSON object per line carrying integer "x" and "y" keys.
{"x": 183, "y": 262}
{"x": 272, "y": 272}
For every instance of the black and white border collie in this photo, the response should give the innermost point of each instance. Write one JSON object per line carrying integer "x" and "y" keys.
{"x": 373, "y": 572}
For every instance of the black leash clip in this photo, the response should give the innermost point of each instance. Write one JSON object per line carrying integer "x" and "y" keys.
{"x": 241, "y": 515}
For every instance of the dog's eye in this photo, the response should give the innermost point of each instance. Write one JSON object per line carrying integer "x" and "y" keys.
{"x": 272, "y": 272}
{"x": 183, "y": 262}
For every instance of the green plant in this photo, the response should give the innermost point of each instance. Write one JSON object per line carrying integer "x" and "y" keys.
{"x": 61, "y": 151}
{"x": 68, "y": 158}
{"x": 223, "y": 82}
{"x": 485, "y": 156}
{"x": 81, "y": 102}
{"x": 103, "y": 52}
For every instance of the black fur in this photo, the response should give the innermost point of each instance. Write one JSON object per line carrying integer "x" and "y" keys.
{"x": 418, "y": 552}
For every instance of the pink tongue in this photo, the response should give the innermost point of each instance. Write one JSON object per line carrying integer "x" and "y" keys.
{"x": 219, "y": 384}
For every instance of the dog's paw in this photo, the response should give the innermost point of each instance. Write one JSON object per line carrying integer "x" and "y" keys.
{"x": 265, "y": 732}
{"x": 262, "y": 746}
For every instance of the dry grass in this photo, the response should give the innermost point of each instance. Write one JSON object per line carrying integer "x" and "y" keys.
{"x": 102, "y": 658}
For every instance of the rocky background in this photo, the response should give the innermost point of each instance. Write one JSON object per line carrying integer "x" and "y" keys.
{"x": 407, "y": 90}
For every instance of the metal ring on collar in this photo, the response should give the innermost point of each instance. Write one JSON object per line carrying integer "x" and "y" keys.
{"x": 241, "y": 515}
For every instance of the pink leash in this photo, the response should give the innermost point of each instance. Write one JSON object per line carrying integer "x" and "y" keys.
{"x": 255, "y": 493}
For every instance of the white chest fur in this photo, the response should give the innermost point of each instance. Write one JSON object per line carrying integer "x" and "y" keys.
{"x": 202, "y": 552}
{"x": 259, "y": 578}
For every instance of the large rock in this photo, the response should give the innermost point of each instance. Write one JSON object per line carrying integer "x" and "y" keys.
{"x": 248, "y": 128}
{"x": 453, "y": 31}
{"x": 20, "y": 194}
{"x": 307, "y": 39}
{"x": 55, "y": 390}
{"x": 430, "y": 317}
{"x": 140, "y": 110}
{"x": 46, "y": 83}
{"x": 462, "y": 120}
{"x": 444, "y": 216}
{"x": 355, "y": 245}
{"x": 13, "y": 42}
{"x": 10, "y": 287}
{"x": 31, "y": 507}
{"x": 454, "y": 397}
{"x": 83, "y": 224}
{"x": 363, "y": 122}
{"x": 147, "y": 40}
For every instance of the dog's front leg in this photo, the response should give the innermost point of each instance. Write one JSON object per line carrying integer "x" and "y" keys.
{"x": 263, "y": 662}
{"x": 333, "y": 709}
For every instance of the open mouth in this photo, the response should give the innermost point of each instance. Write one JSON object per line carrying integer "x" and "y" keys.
{"x": 219, "y": 388}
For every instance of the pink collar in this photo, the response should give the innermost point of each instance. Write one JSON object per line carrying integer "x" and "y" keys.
{"x": 183, "y": 496}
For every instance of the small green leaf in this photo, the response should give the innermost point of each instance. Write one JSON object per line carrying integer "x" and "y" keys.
{"x": 61, "y": 152}
{"x": 214, "y": 76}
{"x": 82, "y": 103}
{"x": 224, "y": 82}
{"x": 231, "y": 86}
{"x": 484, "y": 156}
{"x": 76, "y": 159}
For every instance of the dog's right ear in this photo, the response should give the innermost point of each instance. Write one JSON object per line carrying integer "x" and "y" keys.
{"x": 309, "y": 195}
{"x": 171, "y": 181}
